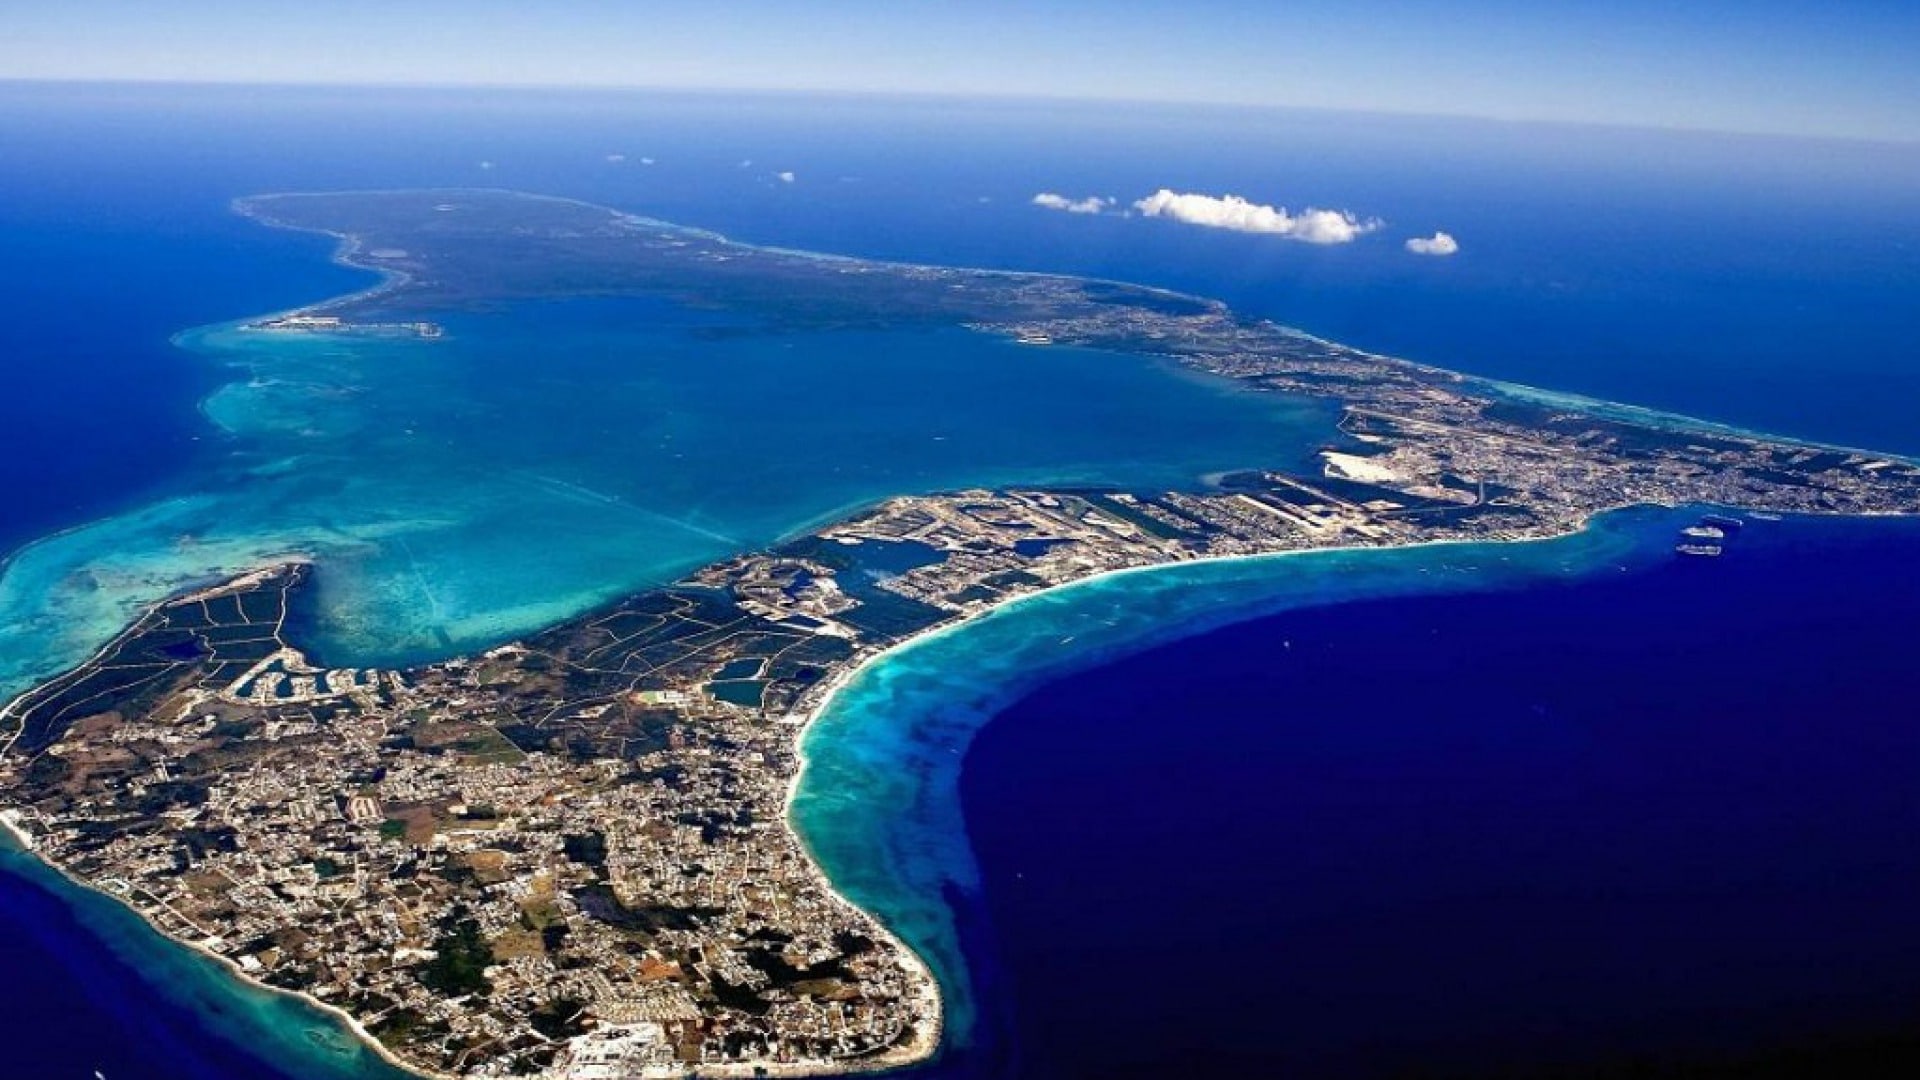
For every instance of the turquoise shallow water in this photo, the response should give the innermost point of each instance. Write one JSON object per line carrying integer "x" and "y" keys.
{"x": 879, "y": 800}
{"x": 544, "y": 457}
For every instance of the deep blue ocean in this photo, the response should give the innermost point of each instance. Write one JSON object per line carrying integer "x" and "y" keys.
{"x": 1658, "y": 821}
{"x": 1486, "y": 873}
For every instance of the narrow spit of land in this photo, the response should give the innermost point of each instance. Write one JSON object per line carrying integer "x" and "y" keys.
{"x": 570, "y": 855}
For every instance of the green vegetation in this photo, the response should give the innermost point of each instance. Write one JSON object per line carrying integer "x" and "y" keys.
{"x": 486, "y": 746}
{"x": 460, "y": 961}
{"x": 404, "y": 1025}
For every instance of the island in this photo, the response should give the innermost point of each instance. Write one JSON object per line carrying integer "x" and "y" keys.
{"x": 570, "y": 855}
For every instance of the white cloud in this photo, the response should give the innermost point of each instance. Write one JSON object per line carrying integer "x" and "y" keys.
{"x": 1311, "y": 226}
{"x": 646, "y": 161}
{"x": 616, "y": 158}
{"x": 1092, "y": 204}
{"x": 784, "y": 177}
{"x": 486, "y": 166}
{"x": 1438, "y": 244}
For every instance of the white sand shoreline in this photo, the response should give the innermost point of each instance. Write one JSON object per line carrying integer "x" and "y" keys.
{"x": 9, "y": 824}
{"x": 823, "y": 699}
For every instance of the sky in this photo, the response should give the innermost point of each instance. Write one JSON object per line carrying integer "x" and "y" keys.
{"x": 1840, "y": 68}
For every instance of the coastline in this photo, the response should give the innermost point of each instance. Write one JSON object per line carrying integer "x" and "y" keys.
{"x": 1658, "y": 419}
{"x": 630, "y": 218}
{"x": 20, "y": 837}
{"x": 128, "y": 611}
{"x": 394, "y": 280}
{"x": 9, "y": 823}
{"x": 818, "y": 702}
{"x": 347, "y": 246}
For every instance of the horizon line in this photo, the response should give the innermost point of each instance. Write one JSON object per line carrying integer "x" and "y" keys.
{"x": 984, "y": 97}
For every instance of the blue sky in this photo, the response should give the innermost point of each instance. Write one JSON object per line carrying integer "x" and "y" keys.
{"x": 1840, "y": 67}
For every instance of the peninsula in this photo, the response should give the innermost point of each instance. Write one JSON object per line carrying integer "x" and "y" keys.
{"x": 569, "y": 855}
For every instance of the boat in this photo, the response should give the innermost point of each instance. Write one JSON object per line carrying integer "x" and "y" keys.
{"x": 1722, "y": 522}
{"x": 1698, "y": 550}
{"x": 1703, "y": 532}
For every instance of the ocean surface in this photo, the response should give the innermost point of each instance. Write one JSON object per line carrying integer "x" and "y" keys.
{"x": 1653, "y": 817}
{"x": 1757, "y": 282}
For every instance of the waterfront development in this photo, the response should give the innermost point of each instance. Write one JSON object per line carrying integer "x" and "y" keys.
{"x": 571, "y": 852}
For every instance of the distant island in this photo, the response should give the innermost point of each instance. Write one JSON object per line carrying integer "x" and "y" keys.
{"x": 570, "y": 855}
